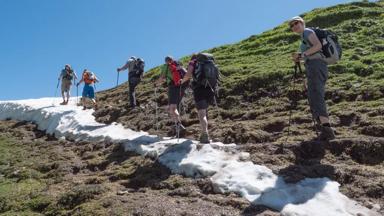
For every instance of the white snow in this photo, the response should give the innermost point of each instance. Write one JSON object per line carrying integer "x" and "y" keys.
{"x": 229, "y": 170}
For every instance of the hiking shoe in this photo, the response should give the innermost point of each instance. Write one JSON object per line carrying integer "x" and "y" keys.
{"x": 326, "y": 133}
{"x": 63, "y": 103}
{"x": 204, "y": 138}
{"x": 84, "y": 108}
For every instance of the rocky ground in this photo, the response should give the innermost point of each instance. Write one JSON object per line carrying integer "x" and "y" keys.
{"x": 355, "y": 159}
{"x": 42, "y": 175}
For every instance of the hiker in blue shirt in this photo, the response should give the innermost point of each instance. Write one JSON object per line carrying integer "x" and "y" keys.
{"x": 316, "y": 73}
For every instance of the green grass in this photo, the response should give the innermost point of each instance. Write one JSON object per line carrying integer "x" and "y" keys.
{"x": 20, "y": 185}
{"x": 263, "y": 61}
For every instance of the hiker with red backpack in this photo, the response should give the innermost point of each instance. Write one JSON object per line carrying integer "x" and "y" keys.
{"x": 135, "y": 68}
{"x": 205, "y": 74}
{"x": 67, "y": 75}
{"x": 172, "y": 72}
{"x": 318, "y": 48}
{"x": 89, "y": 79}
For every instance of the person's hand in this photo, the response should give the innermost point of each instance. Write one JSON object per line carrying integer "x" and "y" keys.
{"x": 296, "y": 57}
{"x": 118, "y": 70}
{"x": 77, "y": 85}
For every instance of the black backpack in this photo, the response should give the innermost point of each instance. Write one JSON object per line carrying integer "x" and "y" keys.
{"x": 331, "y": 47}
{"x": 206, "y": 72}
{"x": 68, "y": 75}
{"x": 139, "y": 66}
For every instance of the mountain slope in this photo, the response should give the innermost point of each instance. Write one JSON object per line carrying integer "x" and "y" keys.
{"x": 257, "y": 82}
{"x": 255, "y": 99}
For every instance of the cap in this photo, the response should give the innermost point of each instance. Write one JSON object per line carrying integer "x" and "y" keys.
{"x": 296, "y": 18}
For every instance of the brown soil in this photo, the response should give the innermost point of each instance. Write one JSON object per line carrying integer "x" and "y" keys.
{"x": 259, "y": 126}
{"x": 86, "y": 178}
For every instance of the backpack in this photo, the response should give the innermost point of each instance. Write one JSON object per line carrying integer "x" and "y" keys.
{"x": 177, "y": 71}
{"x": 131, "y": 64}
{"x": 331, "y": 47}
{"x": 139, "y": 66}
{"x": 68, "y": 75}
{"x": 89, "y": 77}
{"x": 206, "y": 71}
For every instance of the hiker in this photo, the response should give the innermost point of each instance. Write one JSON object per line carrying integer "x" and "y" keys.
{"x": 172, "y": 72}
{"x": 135, "y": 68}
{"x": 205, "y": 74}
{"x": 88, "y": 78}
{"x": 316, "y": 72}
{"x": 66, "y": 77}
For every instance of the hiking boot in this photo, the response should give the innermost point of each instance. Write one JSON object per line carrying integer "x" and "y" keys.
{"x": 63, "y": 103}
{"x": 84, "y": 108}
{"x": 204, "y": 138}
{"x": 326, "y": 133}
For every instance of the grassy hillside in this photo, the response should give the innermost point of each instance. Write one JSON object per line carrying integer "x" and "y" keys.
{"x": 255, "y": 99}
{"x": 257, "y": 87}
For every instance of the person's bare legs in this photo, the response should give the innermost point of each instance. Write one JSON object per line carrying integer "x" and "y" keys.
{"x": 68, "y": 96}
{"x": 63, "y": 95}
{"x": 203, "y": 120}
{"x": 174, "y": 113}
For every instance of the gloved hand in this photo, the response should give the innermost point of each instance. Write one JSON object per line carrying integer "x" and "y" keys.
{"x": 77, "y": 84}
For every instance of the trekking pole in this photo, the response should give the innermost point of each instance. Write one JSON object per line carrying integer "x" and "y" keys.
{"x": 179, "y": 120}
{"x": 57, "y": 87}
{"x": 77, "y": 95}
{"x": 290, "y": 107}
{"x": 117, "y": 82}
{"x": 156, "y": 111}
{"x": 313, "y": 120}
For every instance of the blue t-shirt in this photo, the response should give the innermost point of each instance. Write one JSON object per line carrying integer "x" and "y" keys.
{"x": 305, "y": 38}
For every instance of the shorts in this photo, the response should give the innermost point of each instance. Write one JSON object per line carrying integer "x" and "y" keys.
{"x": 88, "y": 91}
{"x": 174, "y": 96}
{"x": 66, "y": 85}
{"x": 203, "y": 97}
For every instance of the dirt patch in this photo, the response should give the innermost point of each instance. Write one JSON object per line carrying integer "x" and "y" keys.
{"x": 83, "y": 178}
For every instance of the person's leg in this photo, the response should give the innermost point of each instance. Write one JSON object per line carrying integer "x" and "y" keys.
{"x": 317, "y": 75}
{"x": 201, "y": 103}
{"x": 84, "y": 96}
{"x": 173, "y": 113}
{"x": 132, "y": 97}
{"x": 91, "y": 95}
{"x": 202, "y": 113}
{"x": 68, "y": 96}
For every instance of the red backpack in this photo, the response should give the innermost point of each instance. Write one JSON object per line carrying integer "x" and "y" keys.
{"x": 177, "y": 71}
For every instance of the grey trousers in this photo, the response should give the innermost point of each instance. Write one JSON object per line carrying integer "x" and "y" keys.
{"x": 317, "y": 75}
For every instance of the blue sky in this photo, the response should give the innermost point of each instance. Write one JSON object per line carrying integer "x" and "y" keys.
{"x": 38, "y": 37}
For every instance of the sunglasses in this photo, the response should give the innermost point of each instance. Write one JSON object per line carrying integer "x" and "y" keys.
{"x": 293, "y": 24}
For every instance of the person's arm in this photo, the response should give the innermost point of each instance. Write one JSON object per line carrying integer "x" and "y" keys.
{"x": 124, "y": 67}
{"x": 316, "y": 45}
{"x": 61, "y": 75}
{"x": 74, "y": 74}
{"x": 162, "y": 77}
{"x": 82, "y": 79}
{"x": 96, "y": 79}
{"x": 188, "y": 75}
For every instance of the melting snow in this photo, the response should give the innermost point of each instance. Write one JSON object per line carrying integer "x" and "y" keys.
{"x": 229, "y": 171}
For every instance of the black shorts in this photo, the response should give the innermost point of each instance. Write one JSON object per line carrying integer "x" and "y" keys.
{"x": 174, "y": 96}
{"x": 203, "y": 97}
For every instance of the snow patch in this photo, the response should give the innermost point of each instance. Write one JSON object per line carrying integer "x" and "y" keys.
{"x": 228, "y": 169}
